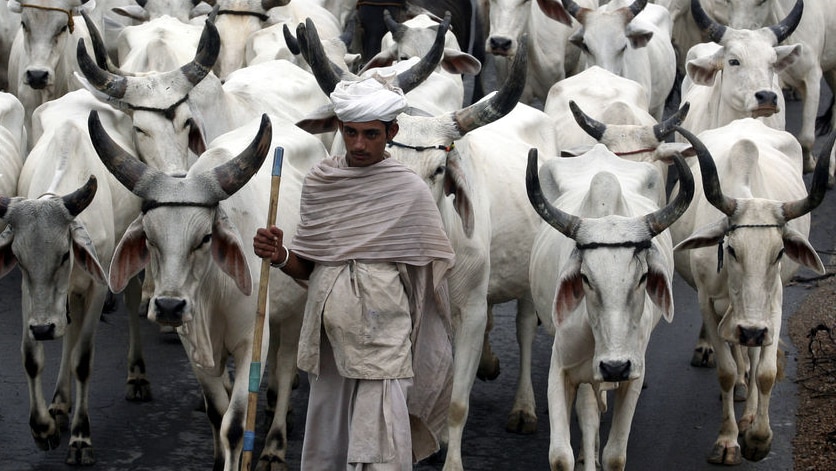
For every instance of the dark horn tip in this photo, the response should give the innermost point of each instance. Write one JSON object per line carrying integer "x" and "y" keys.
{"x": 78, "y": 200}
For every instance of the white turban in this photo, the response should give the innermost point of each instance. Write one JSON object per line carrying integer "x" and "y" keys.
{"x": 366, "y": 100}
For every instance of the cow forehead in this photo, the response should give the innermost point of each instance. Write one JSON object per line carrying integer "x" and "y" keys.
{"x": 620, "y": 231}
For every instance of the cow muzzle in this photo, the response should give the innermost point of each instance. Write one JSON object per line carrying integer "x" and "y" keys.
{"x": 615, "y": 370}
{"x": 169, "y": 311}
{"x": 767, "y": 104}
{"x": 500, "y": 46}
{"x": 37, "y": 78}
{"x": 43, "y": 331}
{"x": 753, "y": 336}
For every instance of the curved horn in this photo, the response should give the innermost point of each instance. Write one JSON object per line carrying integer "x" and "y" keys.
{"x": 591, "y": 126}
{"x": 292, "y": 43}
{"x": 710, "y": 181}
{"x": 347, "y": 36}
{"x": 564, "y": 222}
{"x": 398, "y": 30}
{"x": 634, "y": 9}
{"x": 125, "y": 167}
{"x": 661, "y": 219}
{"x": 786, "y": 27}
{"x": 415, "y": 75}
{"x": 111, "y": 84}
{"x": 710, "y": 28}
{"x": 326, "y": 72}
{"x": 669, "y": 125}
{"x": 234, "y": 174}
{"x": 99, "y": 49}
{"x": 484, "y": 112}
{"x": 78, "y": 200}
{"x": 208, "y": 49}
{"x": 818, "y": 186}
{"x": 268, "y": 4}
{"x": 577, "y": 11}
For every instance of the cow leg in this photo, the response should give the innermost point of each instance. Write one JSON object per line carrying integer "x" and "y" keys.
{"x": 83, "y": 338}
{"x": 561, "y": 394}
{"x": 137, "y": 386}
{"x": 809, "y": 87}
{"x": 757, "y": 439}
{"x": 750, "y": 409}
{"x": 703, "y": 356}
{"x": 589, "y": 419}
{"x": 626, "y": 398}
{"x": 44, "y": 429}
{"x": 274, "y": 454}
{"x": 468, "y": 340}
{"x": 216, "y": 399}
{"x": 741, "y": 389}
{"x": 523, "y": 416}
{"x": 488, "y": 361}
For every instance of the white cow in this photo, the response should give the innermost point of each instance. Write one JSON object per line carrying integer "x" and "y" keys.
{"x": 467, "y": 159}
{"x": 686, "y": 33}
{"x": 629, "y": 38}
{"x": 603, "y": 280}
{"x": 818, "y": 59}
{"x": 147, "y": 10}
{"x": 60, "y": 250}
{"x": 553, "y": 57}
{"x": 12, "y": 143}
{"x": 737, "y": 246}
{"x": 9, "y": 24}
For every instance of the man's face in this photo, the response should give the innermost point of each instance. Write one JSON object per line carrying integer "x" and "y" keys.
{"x": 365, "y": 143}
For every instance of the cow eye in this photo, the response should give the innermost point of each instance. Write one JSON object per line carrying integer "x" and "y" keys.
{"x": 734, "y": 62}
{"x": 780, "y": 256}
{"x": 63, "y": 30}
{"x": 65, "y": 257}
{"x": 24, "y": 26}
{"x": 732, "y": 252}
{"x": 140, "y": 131}
{"x": 585, "y": 279}
{"x": 439, "y": 170}
{"x": 206, "y": 239}
{"x": 643, "y": 279}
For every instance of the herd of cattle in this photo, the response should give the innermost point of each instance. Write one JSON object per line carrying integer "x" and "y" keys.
{"x": 132, "y": 139}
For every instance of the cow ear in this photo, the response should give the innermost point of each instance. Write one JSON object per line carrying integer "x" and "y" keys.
{"x": 381, "y": 59}
{"x": 799, "y": 249}
{"x": 84, "y": 252}
{"x": 554, "y": 10}
{"x": 658, "y": 285}
{"x": 787, "y": 56}
{"x": 319, "y": 121}
{"x": 706, "y": 236}
{"x": 666, "y": 151}
{"x": 569, "y": 289}
{"x": 135, "y": 12}
{"x": 639, "y": 37}
{"x": 577, "y": 39}
{"x": 129, "y": 258}
{"x": 228, "y": 252}
{"x": 702, "y": 70}
{"x": 7, "y": 257}
{"x": 202, "y": 8}
{"x": 196, "y": 142}
{"x": 457, "y": 62}
{"x": 456, "y": 184}
{"x": 14, "y": 6}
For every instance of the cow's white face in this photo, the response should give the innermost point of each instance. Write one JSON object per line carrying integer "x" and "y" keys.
{"x": 748, "y": 14}
{"x": 234, "y": 31}
{"x": 45, "y": 34}
{"x": 167, "y": 142}
{"x": 603, "y": 39}
{"x": 508, "y": 20}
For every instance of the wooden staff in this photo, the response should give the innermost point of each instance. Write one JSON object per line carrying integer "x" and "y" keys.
{"x": 263, "y": 285}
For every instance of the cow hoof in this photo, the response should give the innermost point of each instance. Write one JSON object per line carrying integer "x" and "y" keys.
{"x": 138, "y": 390}
{"x": 755, "y": 448}
{"x": 48, "y": 440}
{"x": 744, "y": 423}
{"x": 809, "y": 164}
{"x": 80, "y": 454}
{"x": 721, "y": 454}
{"x": 489, "y": 370}
{"x": 703, "y": 357}
{"x": 741, "y": 391}
{"x": 522, "y": 423}
{"x": 60, "y": 415}
{"x": 271, "y": 463}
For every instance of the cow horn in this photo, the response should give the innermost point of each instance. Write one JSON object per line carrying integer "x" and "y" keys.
{"x": 485, "y": 112}
{"x": 669, "y": 125}
{"x": 710, "y": 181}
{"x": 347, "y": 36}
{"x": 398, "y": 30}
{"x": 415, "y": 75}
{"x": 660, "y": 220}
{"x": 577, "y": 11}
{"x": 786, "y": 27}
{"x": 99, "y": 49}
{"x": 234, "y": 174}
{"x": 564, "y": 222}
{"x": 634, "y": 9}
{"x": 326, "y": 72}
{"x": 818, "y": 186}
{"x": 125, "y": 167}
{"x": 292, "y": 43}
{"x": 208, "y": 49}
{"x": 268, "y": 4}
{"x": 78, "y": 200}
{"x": 111, "y": 84}
{"x": 710, "y": 28}
{"x": 591, "y": 126}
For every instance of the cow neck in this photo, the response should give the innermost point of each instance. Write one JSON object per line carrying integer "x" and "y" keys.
{"x": 422, "y": 148}
{"x": 260, "y": 16}
{"x": 730, "y": 229}
{"x": 70, "y": 23}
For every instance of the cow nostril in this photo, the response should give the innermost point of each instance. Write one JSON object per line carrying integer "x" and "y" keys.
{"x": 170, "y": 310}
{"x": 767, "y": 98}
{"x": 37, "y": 79}
{"x": 500, "y": 44}
{"x": 615, "y": 370}
{"x": 751, "y": 337}
{"x": 43, "y": 331}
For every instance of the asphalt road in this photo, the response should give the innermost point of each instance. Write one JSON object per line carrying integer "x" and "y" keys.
{"x": 675, "y": 425}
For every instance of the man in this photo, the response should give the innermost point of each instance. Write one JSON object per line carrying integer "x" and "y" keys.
{"x": 376, "y": 334}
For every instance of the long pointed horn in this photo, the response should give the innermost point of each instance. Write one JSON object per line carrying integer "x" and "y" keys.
{"x": 577, "y": 11}
{"x": 634, "y": 9}
{"x": 786, "y": 27}
{"x": 234, "y": 174}
{"x": 292, "y": 43}
{"x": 710, "y": 180}
{"x": 125, "y": 167}
{"x": 415, "y": 75}
{"x": 660, "y": 220}
{"x": 327, "y": 73}
{"x": 669, "y": 125}
{"x": 78, "y": 200}
{"x": 710, "y": 28}
{"x": 398, "y": 30}
{"x": 564, "y": 222}
{"x": 111, "y": 84}
{"x": 208, "y": 49}
{"x": 99, "y": 49}
{"x": 591, "y": 126}
{"x": 485, "y": 112}
{"x": 818, "y": 187}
